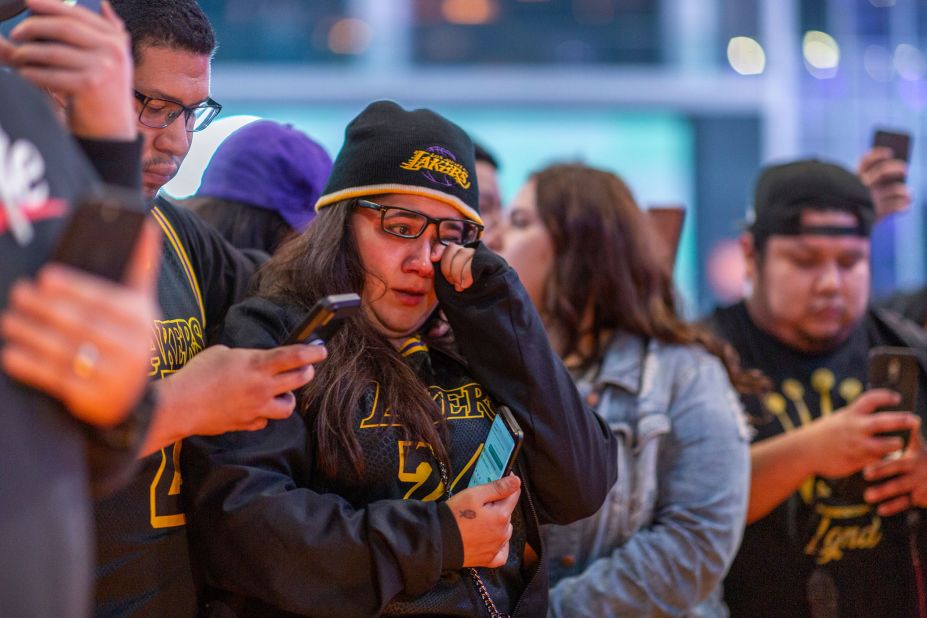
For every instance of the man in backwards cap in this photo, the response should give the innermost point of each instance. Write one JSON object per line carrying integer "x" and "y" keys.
{"x": 832, "y": 521}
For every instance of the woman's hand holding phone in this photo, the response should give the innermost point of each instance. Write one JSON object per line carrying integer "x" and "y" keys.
{"x": 484, "y": 518}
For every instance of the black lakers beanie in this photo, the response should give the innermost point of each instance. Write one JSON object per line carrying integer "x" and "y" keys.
{"x": 390, "y": 150}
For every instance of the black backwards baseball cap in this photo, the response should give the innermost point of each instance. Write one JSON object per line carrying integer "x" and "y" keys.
{"x": 391, "y": 150}
{"x": 11, "y": 8}
{"x": 783, "y": 191}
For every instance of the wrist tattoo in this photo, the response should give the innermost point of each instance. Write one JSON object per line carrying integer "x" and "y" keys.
{"x": 468, "y": 514}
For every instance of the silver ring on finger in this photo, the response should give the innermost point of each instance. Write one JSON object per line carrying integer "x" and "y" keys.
{"x": 85, "y": 360}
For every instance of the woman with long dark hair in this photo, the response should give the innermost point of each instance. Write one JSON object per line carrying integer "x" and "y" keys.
{"x": 359, "y": 504}
{"x": 669, "y": 528}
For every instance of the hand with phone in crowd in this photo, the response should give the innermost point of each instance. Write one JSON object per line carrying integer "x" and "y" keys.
{"x": 81, "y": 55}
{"x": 257, "y": 385}
{"x": 898, "y": 481}
{"x": 483, "y": 511}
{"x": 83, "y": 339}
{"x": 884, "y": 170}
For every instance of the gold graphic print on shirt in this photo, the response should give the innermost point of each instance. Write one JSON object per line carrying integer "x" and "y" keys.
{"x": 174, "y": 343}
{"x": 838, "y": 526}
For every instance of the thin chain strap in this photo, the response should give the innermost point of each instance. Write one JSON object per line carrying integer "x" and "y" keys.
{"x": 484, "y": 594}
{"x": 474, "y": 574}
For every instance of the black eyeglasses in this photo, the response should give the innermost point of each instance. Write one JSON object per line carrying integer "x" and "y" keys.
{"x": 160, "y": 113}
{"x": 406, "y": 223}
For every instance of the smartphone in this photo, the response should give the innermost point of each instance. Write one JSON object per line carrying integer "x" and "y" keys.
{"x": 897, "y": 369}
{"x": 93, "y": 5}
{"x": 667, "y": 221}
{"x": 11, "y": 8}
{"x": 500, "y": 449}
{"x": 324, "y": 319}
{"x": 899, "y": 142}
{"x": 101, "y": 233}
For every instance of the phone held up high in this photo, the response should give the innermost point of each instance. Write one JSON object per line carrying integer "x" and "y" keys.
{"x": 12, "y": 8}
{"x": 500, "y": 449}
{"x": 896, "y": 369}
{"x": 93, "y": 5}
{"x": 899, "y": 142}
{"x": 101, "y": 234}
{"x": 324, "y": 319}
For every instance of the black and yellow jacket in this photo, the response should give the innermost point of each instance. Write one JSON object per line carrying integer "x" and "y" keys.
{"x": 274, "y": 537}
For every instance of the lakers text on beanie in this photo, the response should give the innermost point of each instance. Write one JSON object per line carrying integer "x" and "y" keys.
{"x": 391, "y": 150}
{"x": 784, "y": 191}
{"x": 270, "y": 166}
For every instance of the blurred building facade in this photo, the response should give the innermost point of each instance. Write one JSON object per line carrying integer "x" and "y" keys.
{"x": 684, "y": 98}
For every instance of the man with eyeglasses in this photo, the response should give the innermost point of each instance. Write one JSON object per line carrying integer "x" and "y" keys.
{"x": 143, "y": 561}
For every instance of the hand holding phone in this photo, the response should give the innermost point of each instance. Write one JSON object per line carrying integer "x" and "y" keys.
{"x": 101, "y": 234}
{"x": 500, "y": 449}
{"x": 87, "y": 66}
{"x": 324, "y": 319}
{"x": 896, "y": 369}
{"x": 897, "y": 141}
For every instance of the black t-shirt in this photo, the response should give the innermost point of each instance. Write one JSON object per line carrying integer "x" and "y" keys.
{"x": 824, "y": 541}
{"x": 143, "y": 561}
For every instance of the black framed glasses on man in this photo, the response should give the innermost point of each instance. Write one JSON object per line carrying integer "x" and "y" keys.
{"x": 405, "y": 223}
{"x": 160, "y": 113}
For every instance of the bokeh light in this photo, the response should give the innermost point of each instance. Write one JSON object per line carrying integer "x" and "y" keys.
{"x": 188, "y": 177}
{"x": 746, "y": 56}
{"x": 470, "y": 12}
{"x": 822, "y": 54}
{"x": 877, "y": 61}
{"x": 909, "y": 62}
{"x": 349, "y": 36}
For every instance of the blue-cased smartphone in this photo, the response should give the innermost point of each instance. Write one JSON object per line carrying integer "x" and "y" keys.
{"x": 93, "y": 5}
{"x": 500, "y": 449}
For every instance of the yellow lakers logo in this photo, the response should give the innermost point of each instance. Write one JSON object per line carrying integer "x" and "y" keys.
{"x": 175, "y": 343}
{"x": 440, "y": 164}
{"x": 465, "y": 402}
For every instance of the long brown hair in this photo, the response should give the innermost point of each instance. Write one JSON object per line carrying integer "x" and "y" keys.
{"x": 608, "y": 269}
{"x": 325, "y": 260}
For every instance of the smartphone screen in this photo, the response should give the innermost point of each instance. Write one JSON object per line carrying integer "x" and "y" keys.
{"x": 324, "y": 319}
{"x": 499, "y": 451}
{"x": 896, "y": 369}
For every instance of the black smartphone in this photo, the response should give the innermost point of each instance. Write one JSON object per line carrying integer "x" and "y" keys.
{"x": 503, "y": 442}
{"x": 896, "y": 369}
{"x": 668, "y": 220}
{"x": 101, "y": 233}
{"x": 898, "y": 141}
{"x": 324, "y": 319}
